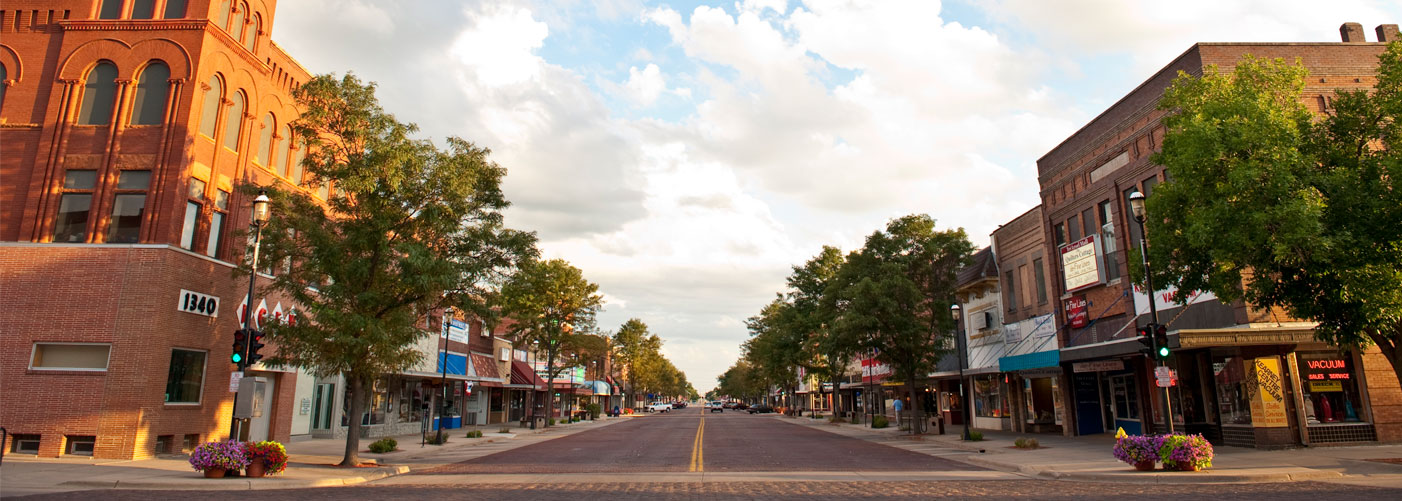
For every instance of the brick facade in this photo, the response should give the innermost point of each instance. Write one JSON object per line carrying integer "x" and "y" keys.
{"x": 92, "y": 289}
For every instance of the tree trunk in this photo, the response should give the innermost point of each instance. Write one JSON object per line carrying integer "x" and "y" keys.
{"x": 357, "y": 408}
{"x": 916, "y": 416}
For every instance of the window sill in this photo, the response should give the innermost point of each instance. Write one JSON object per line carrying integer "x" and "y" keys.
{"x": 66, "y": 372}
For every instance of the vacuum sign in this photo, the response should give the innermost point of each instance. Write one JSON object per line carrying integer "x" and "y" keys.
{"x": 1080, "y": 264}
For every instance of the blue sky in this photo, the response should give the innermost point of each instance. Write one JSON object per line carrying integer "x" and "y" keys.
{"x": 685, "y": 154}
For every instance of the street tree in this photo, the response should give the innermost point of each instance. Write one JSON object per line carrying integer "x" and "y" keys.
{"x": 825, "y": 351}
{"x": 895, "y": 294}
{"x": 1269, "y": 203}
{"x": 408, "y": 228}
{"x": 634, "y": 347}
{"x": 549, "y": 301}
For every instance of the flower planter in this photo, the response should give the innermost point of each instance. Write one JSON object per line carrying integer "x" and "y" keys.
{"x": 1144, "y": 465}
{"x": 214, "y": 472}
{"x": 1187, "y": 467}
{"x": 255, "y": 468}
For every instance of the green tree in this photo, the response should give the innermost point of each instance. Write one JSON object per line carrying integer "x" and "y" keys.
{"x": 409, "y": 228}
{"x": 549, "y": 301}
{"x": 775, "y": 347}
{"x": 1271, "y": 204}
{"x": 826, "y": 351}
{"x": 895, "y": 294}
{"x": 633, "y": 347}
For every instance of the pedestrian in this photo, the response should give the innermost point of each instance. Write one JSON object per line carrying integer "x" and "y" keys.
{"x": 897, "y": 406}
{"x": 615, "y": 411}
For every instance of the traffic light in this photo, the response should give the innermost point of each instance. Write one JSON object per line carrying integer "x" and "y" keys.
{"x": 1161, "y": 341}
{"x": 1146, "y": 338}
{"x": 240, "y": 346}
{"x": 255, "y": 343}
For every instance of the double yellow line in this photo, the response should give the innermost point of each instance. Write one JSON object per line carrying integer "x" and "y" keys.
{"x": 698, "y": 461}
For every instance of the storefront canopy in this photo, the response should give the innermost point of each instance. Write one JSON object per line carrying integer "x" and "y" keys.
{"x": 522, "y": 374}
{"x": 600, "y": 387}
{"x": 1038, "y": 360}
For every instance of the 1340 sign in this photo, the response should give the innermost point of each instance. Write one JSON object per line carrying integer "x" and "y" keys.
{"x": 199, "y": 304}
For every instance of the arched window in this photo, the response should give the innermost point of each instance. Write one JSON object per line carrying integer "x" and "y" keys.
{"x": 265, "y": 141}
{"x": 210, "y": 109}
{"x": 244, "y": 23}
{"x": 143, "y": 9}
{"x": 232, "y": 121}
{"x": 295, "y": 167}
{"x": 175, "y": 9}
{"x": 4, "y": 75}
{"x": 280, "y": 156}
{"x": 150, "y": 105}
{"x": 251, "y": 41}
{"x": 223, "y": 13}
{"x": 111, "y": 9}
{"x": 98, "y": 94}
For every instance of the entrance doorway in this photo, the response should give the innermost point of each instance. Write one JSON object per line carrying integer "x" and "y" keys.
{"x": 1122, "y": 401}
{"x": 322, "y": 397}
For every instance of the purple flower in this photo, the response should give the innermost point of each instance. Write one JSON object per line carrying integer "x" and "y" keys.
{"x": 228, "y": 455}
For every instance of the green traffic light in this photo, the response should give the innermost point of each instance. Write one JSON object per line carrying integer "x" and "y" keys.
{"x": 237, "y": 358}
{"x": 1163, "y": 351}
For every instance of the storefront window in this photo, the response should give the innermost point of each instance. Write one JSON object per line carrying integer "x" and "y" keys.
{"x": 410, "y": 401}
{"x": 988, "y": 397}
{"x": 1041, "y": 401}
{"x": 1330, "y": 388}
{"x": 376, "y": 406}
{"x": 1233, "y": 389}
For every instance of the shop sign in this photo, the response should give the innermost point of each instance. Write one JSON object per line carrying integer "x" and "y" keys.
{"x": 1098, "y": 366}
{"x": 1163, "y": 299}
{"x": 1325, "y": 386}
{"x": 1267, "y": 394}
{"x": 457, "y": 330}
{"x": 874, "y": 371}
{"x": 1033, "y": 328}
{"x": 1080, "y": 263}
{"x": 1076, "y": 312}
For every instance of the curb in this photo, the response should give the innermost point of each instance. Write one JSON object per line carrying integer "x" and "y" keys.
{"x": 196, "y": 483}
{"x": 1297, "y": 474}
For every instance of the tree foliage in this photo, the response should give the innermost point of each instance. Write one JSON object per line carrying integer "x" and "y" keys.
{"x": 549, "y": 301}
{"x": 1269, "y": 203}
{"x": 409, "y": 228}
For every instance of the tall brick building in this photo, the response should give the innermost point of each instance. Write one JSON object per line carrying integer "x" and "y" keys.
{"x": 1230, "y": 354}
{"x": 125, "y": 128}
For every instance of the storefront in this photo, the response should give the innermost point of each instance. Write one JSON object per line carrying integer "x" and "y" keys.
{"x": 1109, "y": 387}
{"x": 990, "y": 402}
{"x": 1269, "y": 388}
{"x": 1035, "y": 379}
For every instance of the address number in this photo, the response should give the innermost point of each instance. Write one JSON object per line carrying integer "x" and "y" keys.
{"x": 199, "y": 304}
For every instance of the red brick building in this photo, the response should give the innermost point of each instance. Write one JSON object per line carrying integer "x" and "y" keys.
{"x": 125, "y": 127}
{"x": 1226, "y": 349}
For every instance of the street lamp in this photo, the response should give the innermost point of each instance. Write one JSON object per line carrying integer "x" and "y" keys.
{"x": 955, "y": 312}
{"x": 260, "y": 215}
{"x": 443, "y": 379}
{"x": 1136, "y": 205}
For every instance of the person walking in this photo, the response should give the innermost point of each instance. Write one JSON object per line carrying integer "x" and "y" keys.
{"x": 898, "y": 407}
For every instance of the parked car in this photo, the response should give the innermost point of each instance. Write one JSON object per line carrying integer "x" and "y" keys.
{"x": 761, "y": 409}
{"x": 715, "y": 406}
{"x": 659, "y": 407}
{"x": 729, "y": 405}
{"x": 678, "y": 405}
{"x": 740, "y": 406}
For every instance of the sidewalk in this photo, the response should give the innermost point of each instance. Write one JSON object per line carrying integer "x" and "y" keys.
{"x": 311, "y": 463}
{"x": 1088, "y": 458}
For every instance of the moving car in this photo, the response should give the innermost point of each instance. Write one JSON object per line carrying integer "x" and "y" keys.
{"x": 715, "y": 406}
{"x": 659, "y": 407}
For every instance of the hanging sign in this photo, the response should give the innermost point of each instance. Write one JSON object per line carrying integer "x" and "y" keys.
{"x": 1077, "y": 315}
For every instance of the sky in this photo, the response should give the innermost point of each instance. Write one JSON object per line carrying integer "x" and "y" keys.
{"x": 685, "y": 155}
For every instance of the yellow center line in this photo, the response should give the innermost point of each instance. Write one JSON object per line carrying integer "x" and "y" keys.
{"x": 698, "y": 461}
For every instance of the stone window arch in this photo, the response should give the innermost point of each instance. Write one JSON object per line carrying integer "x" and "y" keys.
{"x": 250, "y": 42}
{"x": 262, "y": 155}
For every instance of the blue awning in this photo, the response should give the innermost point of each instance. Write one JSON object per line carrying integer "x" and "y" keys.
{"x": 1038, "y": 360}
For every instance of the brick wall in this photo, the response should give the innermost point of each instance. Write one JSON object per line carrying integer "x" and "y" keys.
{"x": 125, "y": 295}
{"x": 1384, "y": 396}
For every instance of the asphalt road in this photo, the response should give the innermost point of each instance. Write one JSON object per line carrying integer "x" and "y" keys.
{"x": 733, "y": 441}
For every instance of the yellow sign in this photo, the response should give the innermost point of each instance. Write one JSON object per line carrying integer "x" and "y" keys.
{"x": 1322, "y": 386}
{"x": 1268, "y": 394}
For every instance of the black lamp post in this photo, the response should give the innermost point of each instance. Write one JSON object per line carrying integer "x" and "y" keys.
{"x": 1136, "y": 204}
{"x": 955, "y": 312}
{"x": 259, "y": 217}
{"x": 443, "y": 379}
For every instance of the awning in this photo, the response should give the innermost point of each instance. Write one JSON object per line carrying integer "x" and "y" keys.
{"x": 521, "y": 374}
{"x": 485, "y": 366}
{"x": 1106, "y": 349}
{"x": 599, "y": 387}
{"x": 1038, "y": 360}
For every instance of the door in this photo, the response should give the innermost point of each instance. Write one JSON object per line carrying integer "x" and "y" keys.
{"x": 1124, "y": 399}
{"x": 259, "y": 427}
{"x": 1089, "y": 417}
{"x": 321, "y": 406}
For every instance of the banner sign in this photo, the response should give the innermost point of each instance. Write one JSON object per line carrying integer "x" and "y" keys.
{"x": 1267, "y": 394}
{"x": 1163, "y": 299}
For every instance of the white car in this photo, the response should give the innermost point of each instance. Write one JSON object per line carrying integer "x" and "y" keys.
{"x": 659, "y": 407}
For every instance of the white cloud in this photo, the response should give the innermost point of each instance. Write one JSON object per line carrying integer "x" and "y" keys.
{"x": 644, "y": 86}
{"x": 499, "y": 47}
